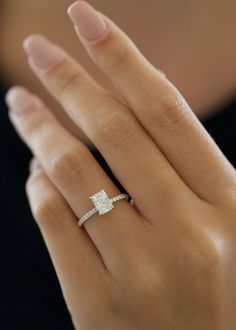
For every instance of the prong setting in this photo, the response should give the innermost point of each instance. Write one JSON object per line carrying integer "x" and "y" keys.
{"x": 102, "y": 202}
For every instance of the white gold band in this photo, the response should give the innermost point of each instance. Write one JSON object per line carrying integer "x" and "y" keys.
{"x": 103, "y": 204}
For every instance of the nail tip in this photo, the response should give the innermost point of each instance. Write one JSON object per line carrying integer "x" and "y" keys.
{"x": 34, "y": 164}
{"x": 88, "y": 20}
{"x": 75, "y": 4}
{"x": 31, "y": 38}
{"x": 14, "y": 92}
{"x": 72, "y": 6}
{"x": 25, "y": 44}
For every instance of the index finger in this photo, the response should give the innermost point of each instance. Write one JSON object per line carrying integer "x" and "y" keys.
{"x": 157, "y": 104}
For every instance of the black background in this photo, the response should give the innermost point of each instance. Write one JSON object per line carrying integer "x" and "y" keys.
{"x": 30, "y": 294}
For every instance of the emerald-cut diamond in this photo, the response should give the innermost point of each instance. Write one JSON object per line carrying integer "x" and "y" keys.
{"x": 102, "y": 202}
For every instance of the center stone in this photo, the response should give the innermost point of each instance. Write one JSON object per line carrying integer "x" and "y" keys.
{"x": 102, "y": 202}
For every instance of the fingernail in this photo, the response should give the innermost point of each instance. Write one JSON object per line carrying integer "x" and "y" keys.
{"x": 34, "y": 165}
{"x": 89, "y": 22}
{"x": 18, "y": 99}
{"x": 44, "y": 54}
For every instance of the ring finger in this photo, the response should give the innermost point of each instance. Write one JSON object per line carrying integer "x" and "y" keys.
{"x": 132, "y": 155}
{"x": 72, "y": 168}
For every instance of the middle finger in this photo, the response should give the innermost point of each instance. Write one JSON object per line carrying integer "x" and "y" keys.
{"x": 132, "y": 155}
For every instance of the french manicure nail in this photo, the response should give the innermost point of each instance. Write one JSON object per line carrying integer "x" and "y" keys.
{"x": 18, "y": 99}
{"x": 89, "y": 22}
{"x": 44, "y": 54}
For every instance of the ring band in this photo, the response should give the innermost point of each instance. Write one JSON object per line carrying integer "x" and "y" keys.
{"x": 103, "y": 204}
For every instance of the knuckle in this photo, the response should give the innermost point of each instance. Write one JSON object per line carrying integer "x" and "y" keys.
{"x": 70, "y": 83}
{"x": 116, "y": 58}
{"x": 69, "y": 164}
{"x": 211, "y": 267}
{"x": 211, "y": 260}
{"x": 148, "y": 279}
{"x": 47, "y": 212}
{"x": 116, "y": 129}
{"x": 147, "y": 273}
{"x": 213, "y": 255}
{"x": 172, "y": 113}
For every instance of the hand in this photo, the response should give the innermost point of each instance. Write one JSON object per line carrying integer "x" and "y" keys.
{"x": 167, "y": 263}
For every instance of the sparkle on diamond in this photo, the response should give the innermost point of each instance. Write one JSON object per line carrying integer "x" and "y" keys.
{"x": 102, "y": 202}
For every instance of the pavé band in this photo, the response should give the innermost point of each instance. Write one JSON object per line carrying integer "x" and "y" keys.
{"x": 102, "y": 203}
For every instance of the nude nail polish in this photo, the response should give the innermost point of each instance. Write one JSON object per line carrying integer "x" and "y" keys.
{"x": 18, "y": 99}
{"x": 44, "y": 54}
{"x": 89, "y": 22}
{"x": 34, "y": 165}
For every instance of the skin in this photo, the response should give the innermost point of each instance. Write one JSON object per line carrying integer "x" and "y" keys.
{"x": 168, "y": 260}
{"x": 194, "y": 45}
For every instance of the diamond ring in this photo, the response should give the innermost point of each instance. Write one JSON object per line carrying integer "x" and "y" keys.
{"x": 102, "y": 204}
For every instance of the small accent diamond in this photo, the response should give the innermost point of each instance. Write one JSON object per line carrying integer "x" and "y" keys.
{"x": 102, "y": 202}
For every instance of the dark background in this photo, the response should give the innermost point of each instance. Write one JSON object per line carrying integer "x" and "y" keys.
{"x": 31, "y": 298}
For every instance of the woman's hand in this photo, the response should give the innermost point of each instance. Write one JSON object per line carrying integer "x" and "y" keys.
{"x": 167, "y": 263}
